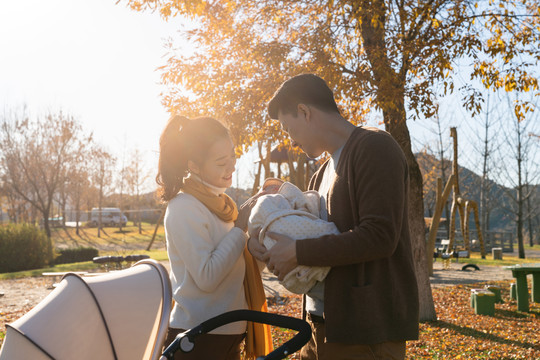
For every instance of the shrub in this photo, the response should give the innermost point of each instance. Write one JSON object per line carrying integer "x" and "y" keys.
{"x": 23, "y": 247}
{"x": 74, "y": 255}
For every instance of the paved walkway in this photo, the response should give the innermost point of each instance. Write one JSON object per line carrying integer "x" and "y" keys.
{"x": 441, "y": 277}
{"x": 455, "y": 275}
{"x": 529, "y": 253}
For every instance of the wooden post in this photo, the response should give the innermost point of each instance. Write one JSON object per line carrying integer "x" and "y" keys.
{"x": 439, "y": 206}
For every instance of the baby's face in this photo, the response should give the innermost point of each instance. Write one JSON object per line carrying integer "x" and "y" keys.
{"x": 271, "y": 189}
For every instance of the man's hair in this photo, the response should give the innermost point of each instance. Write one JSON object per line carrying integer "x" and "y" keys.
{"x": 306, "y": 89}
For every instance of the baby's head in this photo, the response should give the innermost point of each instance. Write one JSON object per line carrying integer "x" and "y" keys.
{"x": 272, "y": 185}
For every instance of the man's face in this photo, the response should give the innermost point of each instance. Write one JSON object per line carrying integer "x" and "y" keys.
{"x": 297, "y": 126}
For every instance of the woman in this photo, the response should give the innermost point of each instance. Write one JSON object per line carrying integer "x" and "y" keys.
{"x": 211, "y": 272}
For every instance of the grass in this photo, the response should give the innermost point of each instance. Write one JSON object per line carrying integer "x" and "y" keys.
{"x": 110, "y": 237}
{"x": 128, "y": 241}
{"x": 159, "y": 255}
{"x": 507, "y": 260}
{"x": 112, "y": 241}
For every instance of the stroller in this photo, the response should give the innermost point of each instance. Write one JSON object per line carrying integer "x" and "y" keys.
{"x": 120, "y": 315}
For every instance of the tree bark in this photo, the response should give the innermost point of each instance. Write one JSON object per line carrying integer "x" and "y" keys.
{"x": 521, "y": 248}
{"x": 398, "y": 129}
{"x": 390, "y": 97}
{"x": 529, "y": 216}
{"x": 266, "y": 162}
{"x": 77, "y": 213}
{"x": 257, "y": 180}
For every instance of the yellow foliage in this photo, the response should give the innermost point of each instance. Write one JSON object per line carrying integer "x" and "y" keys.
{"x": 374, "y": 54}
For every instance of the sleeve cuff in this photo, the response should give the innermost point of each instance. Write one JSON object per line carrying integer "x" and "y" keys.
{"x": 240, "y": 233}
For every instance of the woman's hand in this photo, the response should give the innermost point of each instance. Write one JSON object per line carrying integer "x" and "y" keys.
{"x": 255, "y": 248}
{"x": 245, "y": 210}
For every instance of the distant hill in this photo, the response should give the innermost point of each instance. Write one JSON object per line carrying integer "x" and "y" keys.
{"x": 470, "y": 185}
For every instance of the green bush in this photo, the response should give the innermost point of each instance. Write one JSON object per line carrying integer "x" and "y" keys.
{"x": 73, "y": 255}
{"x": 23, "y": 247}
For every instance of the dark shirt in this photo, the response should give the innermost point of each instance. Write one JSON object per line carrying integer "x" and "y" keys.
{"x": 371, "y": 293}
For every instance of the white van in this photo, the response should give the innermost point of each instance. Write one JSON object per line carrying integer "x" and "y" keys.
{"x": 109, "y": 216}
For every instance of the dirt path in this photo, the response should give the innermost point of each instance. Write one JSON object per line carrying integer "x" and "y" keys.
{"x": 20, "y": 295}
{"x": 24, "y": 293}
{"x": 455, "y": 275}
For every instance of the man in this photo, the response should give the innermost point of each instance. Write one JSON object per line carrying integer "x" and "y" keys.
{"x": 367, "y": 307}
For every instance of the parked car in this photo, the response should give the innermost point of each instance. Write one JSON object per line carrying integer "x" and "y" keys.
{"x": 54, "y": 222}
{"x": 109, "y": 216}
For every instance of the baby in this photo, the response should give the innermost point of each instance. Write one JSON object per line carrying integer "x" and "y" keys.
{"x": 287, "y": 210}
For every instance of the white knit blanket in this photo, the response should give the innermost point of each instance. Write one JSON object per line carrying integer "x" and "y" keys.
{"x": 296, "y": 214}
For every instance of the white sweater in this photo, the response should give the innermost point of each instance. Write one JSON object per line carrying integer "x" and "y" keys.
{"x": 207, "y": 265}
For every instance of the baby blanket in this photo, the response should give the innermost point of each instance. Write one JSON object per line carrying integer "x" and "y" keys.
{"x": 296, "y": 214}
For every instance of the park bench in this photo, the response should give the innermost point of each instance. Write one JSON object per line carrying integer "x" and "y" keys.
{"x": 107, "y": 261}
{"x": 445, "y": 254}
{"x": 116, "y": 261}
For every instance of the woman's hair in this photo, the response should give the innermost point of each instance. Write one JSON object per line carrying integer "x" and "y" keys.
{"x": 184, "y": 139}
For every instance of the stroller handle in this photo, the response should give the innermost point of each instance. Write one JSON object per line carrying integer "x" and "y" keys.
{"x": 185, "y": 340}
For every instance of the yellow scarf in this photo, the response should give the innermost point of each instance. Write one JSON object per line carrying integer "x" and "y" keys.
{"x": 258, "y": 338}
{"x": 222, "y": 205}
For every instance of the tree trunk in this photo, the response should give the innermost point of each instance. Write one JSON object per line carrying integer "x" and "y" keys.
{"x": 50, "y": 258}
{"x": 391, "y": 99}
{"x": 77, "y": 212}
{"x": 521, "y": 248}
{"x": 529, "y": 216}
{"x": 99, "y": 207}
{"x": 139, "y": 210}
{"x": 291, "y": 159}
{"x": 46, "y": 225}
{"x": 398, "y": 129}
{"x": 266, "y": 163}
{"x": 257, "y": 180}
{"x": 62, "y": 211}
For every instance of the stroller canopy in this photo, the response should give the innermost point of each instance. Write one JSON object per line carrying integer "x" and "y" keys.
{"x": 119, "y": 315}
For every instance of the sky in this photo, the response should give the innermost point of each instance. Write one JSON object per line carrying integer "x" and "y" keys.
{"x": 97, "y": 61}
{"x": 94, "y": 60}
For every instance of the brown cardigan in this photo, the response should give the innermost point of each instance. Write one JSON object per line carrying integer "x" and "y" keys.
{"x": 370, "y": 293}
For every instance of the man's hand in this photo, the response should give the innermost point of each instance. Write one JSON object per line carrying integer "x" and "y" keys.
{"x": 281, "y": 258}
{"x": 255, "y": 248}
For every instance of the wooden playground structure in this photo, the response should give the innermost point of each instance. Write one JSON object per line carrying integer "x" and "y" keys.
{"x": 459, "y": 205}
